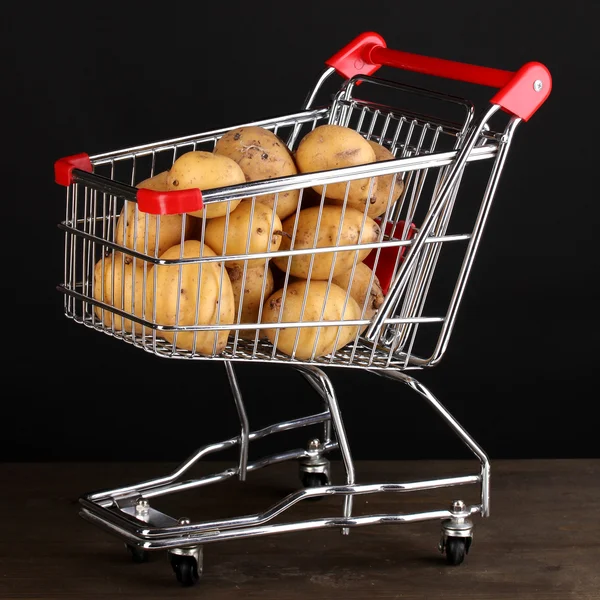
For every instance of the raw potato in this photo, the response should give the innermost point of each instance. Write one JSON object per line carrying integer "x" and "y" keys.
{"x": 125, "y": 277}
{"x": 335, "y": 309}
{"x": 261, "y": 155}
{"x": 369, "y": 296}
{"x": 238, "y": 228}
{"x": 215, "y": 301}
{"x": 251, "y": 295}
{"x": 205, "y": 170}
{"x": 331, "y": 147}
{"x": 135, "y": 228}
{"x": 378, "y": 202}
{"x": 384, "y": 183}
{"x": 331, "y": 224}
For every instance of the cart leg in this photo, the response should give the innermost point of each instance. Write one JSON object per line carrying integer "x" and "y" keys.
{"x": 455, "y": 426}
{"x": 322, "y": 391}
{"x": 317, "y": 378}
{"x": 245, "y": 431}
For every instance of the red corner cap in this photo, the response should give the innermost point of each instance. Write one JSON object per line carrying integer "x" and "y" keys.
{"x": 63, "y": 168}
{"x": 175, "y": 202}
{"x": 526, "y": 91}
{"x": 353, "y": 59}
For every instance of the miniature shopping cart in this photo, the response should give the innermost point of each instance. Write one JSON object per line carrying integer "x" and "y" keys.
{"x": 449, "y": 157}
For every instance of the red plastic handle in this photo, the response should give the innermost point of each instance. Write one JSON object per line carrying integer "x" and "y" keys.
{"x": 521, "y": 92}
{"x": 175, "y": 202}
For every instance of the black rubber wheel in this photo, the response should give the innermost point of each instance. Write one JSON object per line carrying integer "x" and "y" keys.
{"x": 456, "y": 550}
{"x": 313, "y": 480}
{"x": 186, "y": 569}
{"x": 138, "y": 555}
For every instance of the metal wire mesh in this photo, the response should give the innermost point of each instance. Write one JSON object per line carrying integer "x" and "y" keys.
{"x": 111, "y": 262}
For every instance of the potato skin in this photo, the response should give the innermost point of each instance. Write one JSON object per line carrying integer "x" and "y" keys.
{"x": 261, "y": 155}
{"x": 381, "y": 197}
{"x": 133, "y": 224}
{"x": 369, "y": 296}
{"x": 205, "y": 170}
{"x": 126, "y": 278}
{"x": 251, "y": 294}
{"x": 215, "y": 300}
{"x": 334, "y": 146}
{"x": 241, "y": 227}
{"x": 307, "y": 236}
{"x": 290, "y": 310}
{"x": 378, "y": 200}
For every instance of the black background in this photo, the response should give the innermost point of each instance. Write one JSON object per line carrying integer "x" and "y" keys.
{"x": 520, "y": 372}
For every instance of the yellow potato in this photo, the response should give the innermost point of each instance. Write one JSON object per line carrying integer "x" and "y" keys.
{"x": 116, "y": 288}
{"x": 378, "y": 201}
{"x": 320, "y": 306}
{"x": 213, "y": 301}
{"x": 368, "y": 295}
{"x": 330, "y": 226}
{"x": 137, "y": 230}
{"x": 206, "y": 170}
{"x": 245, "y": 224}
{"x": 384, "y": 194}
{"x": 331, "y": 147}
{"x": 249, "y": 291}
{"x": 261, "y": 155}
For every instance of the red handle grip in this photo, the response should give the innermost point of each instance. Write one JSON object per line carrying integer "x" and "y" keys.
{"x": 521, "y": 92}
{"x": 175, "y": 202}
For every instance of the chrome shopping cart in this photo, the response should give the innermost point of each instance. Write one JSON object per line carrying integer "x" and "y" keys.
{"x": 147, "y": 263}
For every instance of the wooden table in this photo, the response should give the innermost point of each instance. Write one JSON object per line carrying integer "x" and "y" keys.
{"x": 542, "y": 540}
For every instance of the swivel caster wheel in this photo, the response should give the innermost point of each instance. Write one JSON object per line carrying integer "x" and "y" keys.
{"x": 456, "y": 549}
{"x": 138, "y": 555}
{"x": 457, "y": 534}
{"x": 186, "y": 568}
{"x": 314, "y": 469}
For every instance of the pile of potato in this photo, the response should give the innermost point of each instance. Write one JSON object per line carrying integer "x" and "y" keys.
{"x": 301, "y": 288}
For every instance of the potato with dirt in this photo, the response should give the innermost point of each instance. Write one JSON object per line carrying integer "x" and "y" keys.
{"x": 364, "y": 287}
{"x": 332, "y": 147}
{"x": 137, "y": 230}
{"x": 119, "y": 282}
{"x": 336, "y": 228}
{"x": 383, "y": 194}
{"x": 251, "y": 228}
{"x": 206, "y": 170}
{"x": 324, "y": 302}
{"x": 261, "y": 154}
{"x": 250, "y": 290}
{"x": 192, "y": 294}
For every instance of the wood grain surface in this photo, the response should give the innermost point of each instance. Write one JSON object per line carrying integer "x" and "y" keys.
{"x": 541, "y": 541}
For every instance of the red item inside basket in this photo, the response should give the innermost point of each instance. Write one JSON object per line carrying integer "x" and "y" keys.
{"x": 390, "y": 256}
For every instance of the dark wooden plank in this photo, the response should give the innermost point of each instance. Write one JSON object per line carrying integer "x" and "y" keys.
{"x": 542, "y": 541}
